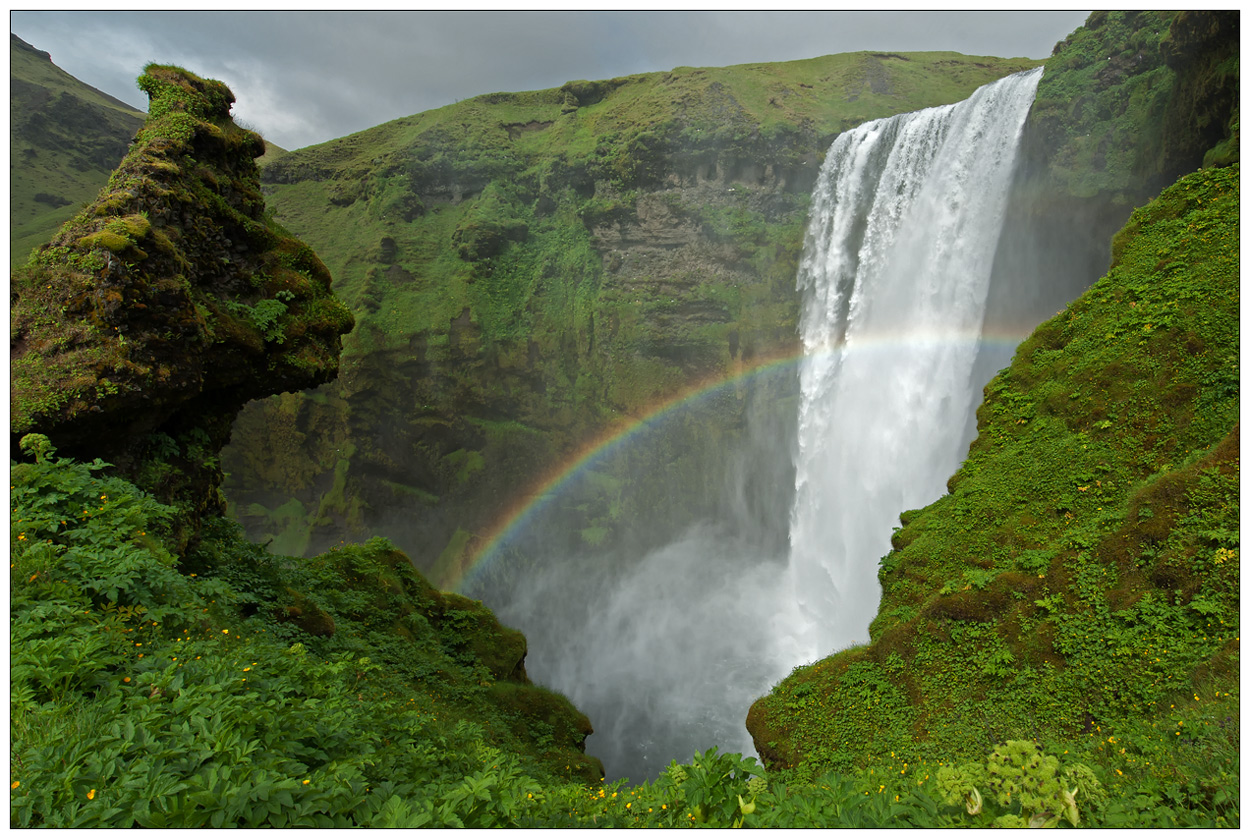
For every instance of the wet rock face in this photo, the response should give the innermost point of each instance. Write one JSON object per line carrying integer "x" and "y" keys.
{"x": 154, "y": 315}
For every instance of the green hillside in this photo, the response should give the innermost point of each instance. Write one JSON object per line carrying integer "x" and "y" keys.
{"x": 64, "y": 139}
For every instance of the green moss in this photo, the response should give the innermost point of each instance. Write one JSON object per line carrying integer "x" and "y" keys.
{"x": 464, "y": 464}
{"x": 172, "y": 89}
{"x": 594, "y": 536}
{"x": 451, "y": 561}
{"x": 105, "y": 239}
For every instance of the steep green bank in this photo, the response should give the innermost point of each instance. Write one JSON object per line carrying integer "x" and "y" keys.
{"x": 64, "y": 140}
{"x": 530, "y": 269}
{"x": 1079, "y": 585}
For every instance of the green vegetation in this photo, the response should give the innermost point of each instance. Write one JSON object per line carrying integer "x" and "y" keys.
{"x": 1132, "y": 100}
{"x": 343, "y": 691}
{"x": 1101, "y": 101}
{"x": 1079, "y": 586}
{"x": 230, "y": 686}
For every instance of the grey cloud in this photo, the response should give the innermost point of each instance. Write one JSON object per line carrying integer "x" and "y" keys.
{"x": 304, "y": 78}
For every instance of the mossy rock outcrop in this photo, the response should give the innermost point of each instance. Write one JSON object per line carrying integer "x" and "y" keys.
{"x": 156, "y": 313}
{"x": 369, "y": 599}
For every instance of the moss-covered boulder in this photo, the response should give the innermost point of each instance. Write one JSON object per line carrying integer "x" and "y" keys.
{"x": 157, "y": 312}
{"x": 369, "y": 599}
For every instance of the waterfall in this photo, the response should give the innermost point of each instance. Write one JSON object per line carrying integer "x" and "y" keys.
{"x": 666, "y": 648}
{"x": 894, "y": 276}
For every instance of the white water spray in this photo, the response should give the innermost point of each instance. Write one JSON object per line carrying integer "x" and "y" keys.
{"x": 895, "y": 271}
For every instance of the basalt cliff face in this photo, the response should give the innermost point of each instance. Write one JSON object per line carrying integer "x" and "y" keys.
{"x": 157, "y": 312}
{"x": 530, "y": 271}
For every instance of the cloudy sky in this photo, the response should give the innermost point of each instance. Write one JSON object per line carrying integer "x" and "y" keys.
{"x": 302, "y": 78}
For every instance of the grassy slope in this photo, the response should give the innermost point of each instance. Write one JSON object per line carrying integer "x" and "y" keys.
{"x": 64, "y": 139}
{"x": 1080, "y": 583}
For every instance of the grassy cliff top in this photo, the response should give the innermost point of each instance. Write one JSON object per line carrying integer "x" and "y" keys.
{"x": 821, "y": 96}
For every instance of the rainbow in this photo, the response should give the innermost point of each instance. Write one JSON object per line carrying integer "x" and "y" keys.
{"x": 483, "y": 548}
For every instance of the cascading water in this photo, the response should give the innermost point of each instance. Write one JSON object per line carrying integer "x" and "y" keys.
{"x": 895, "y": 272}
{"x": 666, "y": 651}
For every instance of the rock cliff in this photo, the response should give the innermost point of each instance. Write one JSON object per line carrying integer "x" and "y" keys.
{"x": 532, "y": 270}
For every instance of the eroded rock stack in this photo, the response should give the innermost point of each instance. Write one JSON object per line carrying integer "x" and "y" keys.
{"x": 155, "y": 314}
